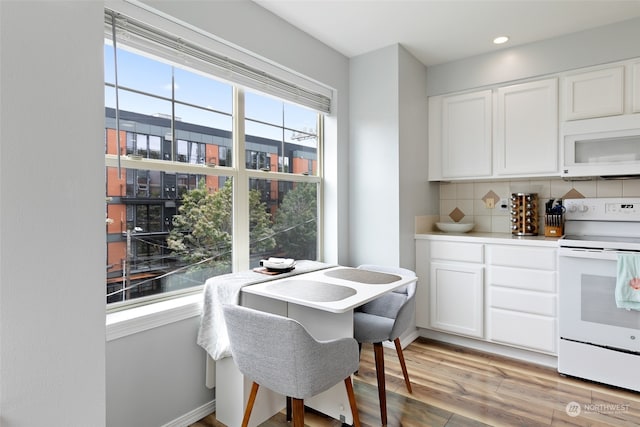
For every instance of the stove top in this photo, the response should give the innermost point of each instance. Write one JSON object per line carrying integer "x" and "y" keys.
{"x": 635, "y": 240}
{"x": 604, "y": 223}
{"x": 600, "y": 242}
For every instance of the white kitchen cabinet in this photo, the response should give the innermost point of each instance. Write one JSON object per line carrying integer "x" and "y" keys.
{"x": 527, "y": 129}
{"x": 456, "y": 291}
{"x": 524, "y": 121}
{"x": 635, "y": 87}
{"x": 422, "y": 287}
{"x": 488, "y": 288}
{"x": 522, "y": 297}
{"x": 466, "y": 135}
{"x": 517, "y": 131}
{"x": 435, "y": 138}
{"x": 596, "y": 93}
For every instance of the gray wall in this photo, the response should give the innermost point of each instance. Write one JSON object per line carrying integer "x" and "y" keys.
{"x": 52, "y": 274}
{"x": 597, "y": 46}
{"x": 155, "y": 376}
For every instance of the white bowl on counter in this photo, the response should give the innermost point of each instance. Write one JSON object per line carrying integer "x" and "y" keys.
{"x": 455, "y": 227}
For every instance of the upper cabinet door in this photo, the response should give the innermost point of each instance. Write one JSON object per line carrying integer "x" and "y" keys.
{"x": 466, "y": 135}
{"x": 527, "y": 129}
{"x": 597, "y": 93}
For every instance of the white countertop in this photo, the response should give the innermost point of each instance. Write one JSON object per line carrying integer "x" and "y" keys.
{"x": 495, "y": 238}
{"x": 323, "y": 291}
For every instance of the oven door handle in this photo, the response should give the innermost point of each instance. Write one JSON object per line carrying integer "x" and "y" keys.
{"x": 607, "y": 254}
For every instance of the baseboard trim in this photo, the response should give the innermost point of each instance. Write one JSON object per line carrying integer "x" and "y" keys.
{"x": 193, "y": 416}
{"x": 489, "y": 347}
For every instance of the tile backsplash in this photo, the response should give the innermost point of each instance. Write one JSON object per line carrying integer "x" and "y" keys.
{"x": 468, "y": 201}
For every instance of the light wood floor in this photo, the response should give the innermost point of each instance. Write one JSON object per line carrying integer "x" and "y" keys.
{"x": 455, "y": 387}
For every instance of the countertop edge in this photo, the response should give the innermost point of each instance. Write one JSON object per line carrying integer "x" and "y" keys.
{"x": 495, "y": 238}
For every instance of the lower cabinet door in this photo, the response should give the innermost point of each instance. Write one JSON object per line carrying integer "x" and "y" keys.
{"x": 456, "y": 298}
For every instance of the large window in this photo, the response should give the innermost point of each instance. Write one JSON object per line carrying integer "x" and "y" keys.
{"x": 189, "y": 195}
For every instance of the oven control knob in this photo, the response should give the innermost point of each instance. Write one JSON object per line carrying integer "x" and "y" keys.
{"x": 572, "y": 208}
{"x": 583, "y": 208}
{"x": 633, "y": 337}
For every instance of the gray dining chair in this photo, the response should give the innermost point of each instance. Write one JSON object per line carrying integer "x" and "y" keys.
{"x": 278, "y": 353}
{"x": 385, "y": 319}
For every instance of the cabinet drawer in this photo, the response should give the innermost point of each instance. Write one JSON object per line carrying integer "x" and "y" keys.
{"x": 456, "y": 251}
{"x": 522, "y": 256}
{"x": 520, "y": 278}
{"x": 524, "y": 330}
{"x": 523, "y": 301}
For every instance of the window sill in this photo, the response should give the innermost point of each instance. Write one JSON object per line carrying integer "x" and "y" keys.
{"x": 128, "y": 322}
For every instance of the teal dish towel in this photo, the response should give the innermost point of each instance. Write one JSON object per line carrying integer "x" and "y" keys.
{"x": 628, "y": 281}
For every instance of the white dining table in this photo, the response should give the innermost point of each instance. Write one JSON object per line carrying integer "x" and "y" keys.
{"x": 323, "y": 301}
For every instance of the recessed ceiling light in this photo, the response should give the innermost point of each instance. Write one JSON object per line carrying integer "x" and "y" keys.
{"x": 500, "y": 40}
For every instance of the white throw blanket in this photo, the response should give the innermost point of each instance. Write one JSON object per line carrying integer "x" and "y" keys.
{"x": 225, "y": 289}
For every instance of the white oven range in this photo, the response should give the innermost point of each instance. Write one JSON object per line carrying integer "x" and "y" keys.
{"x": 598, "y": 340}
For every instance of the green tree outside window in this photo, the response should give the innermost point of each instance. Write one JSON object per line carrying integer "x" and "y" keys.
{"x": 201, "y": 232}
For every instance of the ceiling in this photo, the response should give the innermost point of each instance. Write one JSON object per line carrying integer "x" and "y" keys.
{"x": 439, "y": 31}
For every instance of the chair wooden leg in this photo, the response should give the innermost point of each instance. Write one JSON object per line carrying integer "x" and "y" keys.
{"x": 288, "y": 408}
{"x": 402, "y": 364}
{"x": 250, "y": 402}
{"x": 378, "y": 352}
{"x": 298, "y": 412}
{"x": 352, "y": 401}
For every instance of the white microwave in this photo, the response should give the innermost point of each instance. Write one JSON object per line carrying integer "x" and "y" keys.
{"x": 607, "y": 146}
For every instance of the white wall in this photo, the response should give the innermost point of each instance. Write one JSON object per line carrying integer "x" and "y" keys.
{"x": 52, "y": 327}
{"x": 388, "y": 156}
{"x": 417, "y": 195}
{"x": 374, "y": 158}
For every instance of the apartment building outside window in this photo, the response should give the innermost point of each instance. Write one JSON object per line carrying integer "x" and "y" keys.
{"x": 202, "y": 176}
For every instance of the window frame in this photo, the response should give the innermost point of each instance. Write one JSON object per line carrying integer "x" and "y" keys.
{"x": 241, "y": 177}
